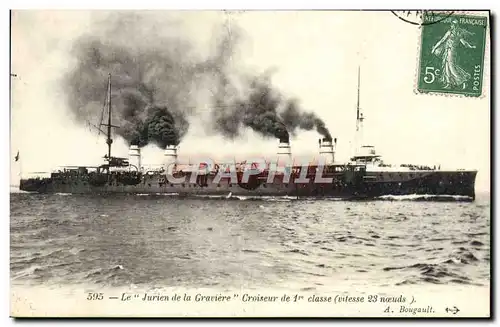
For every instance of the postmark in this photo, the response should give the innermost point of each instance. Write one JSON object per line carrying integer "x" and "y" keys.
{"x": 452, "y": 54}
{"x": 416, "y": 17}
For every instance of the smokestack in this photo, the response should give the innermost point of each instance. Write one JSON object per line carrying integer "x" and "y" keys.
{"x": 284, "y": 152}
{"x": 170, "y": 158}
{"x": 327, "y": 150}
{"x": 135, "y": 157}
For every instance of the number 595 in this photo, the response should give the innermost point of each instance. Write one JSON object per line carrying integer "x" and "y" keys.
{"x": 95, "y": 296}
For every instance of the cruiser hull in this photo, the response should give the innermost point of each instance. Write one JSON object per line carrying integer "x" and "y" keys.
{"x": 362, "y": 185}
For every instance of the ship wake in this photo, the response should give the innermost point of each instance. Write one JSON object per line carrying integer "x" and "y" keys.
{"x": 425, "y": 197}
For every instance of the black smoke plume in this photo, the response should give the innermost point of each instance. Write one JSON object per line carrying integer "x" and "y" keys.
{"x": 294, "y": 119}
{"x": 256, "y": 110}
{"x": 156, "y": 80}
{"x": 263, "y": 109}
{"x": 151, "y": 77}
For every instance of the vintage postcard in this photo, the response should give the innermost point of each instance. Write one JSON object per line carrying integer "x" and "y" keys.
{"x": 250, "y": 164}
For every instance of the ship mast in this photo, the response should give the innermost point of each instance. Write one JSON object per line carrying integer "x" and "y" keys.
{"x": 109, "y": 141}
{"x": 359, "y": 115}
{"x": 359, "y": 119}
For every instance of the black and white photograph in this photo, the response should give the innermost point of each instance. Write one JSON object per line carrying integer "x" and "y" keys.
{"x": 250, "y": 163}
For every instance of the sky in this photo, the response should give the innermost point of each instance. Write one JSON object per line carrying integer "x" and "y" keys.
{"x": 314, "y": 56}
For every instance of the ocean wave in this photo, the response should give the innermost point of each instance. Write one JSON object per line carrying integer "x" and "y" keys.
{"x": 265, "y": 198}
{"x": 431, "y": 273}
{"x": 270, "y": 198}
{"x": 462, "y": 256}
{"x": 244, "y": 197}
{"x": 33, "y": 272}
{"x": 104, "y": 272}
{"x": 447, "y": 271}
{"x": 302, "y": 252}
{"x": 43, "y": 257}
{"x": 156, "y": 194}
{"x": 15, "y": 189}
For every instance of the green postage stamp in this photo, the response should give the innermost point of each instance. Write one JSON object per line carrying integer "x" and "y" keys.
{"x": 452, "y": 54}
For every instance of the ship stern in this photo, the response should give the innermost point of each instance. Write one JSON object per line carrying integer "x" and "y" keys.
{"x": 33, "y": 184}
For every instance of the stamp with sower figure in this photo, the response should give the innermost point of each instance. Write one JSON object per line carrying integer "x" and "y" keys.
{"x": 452, "y": 54}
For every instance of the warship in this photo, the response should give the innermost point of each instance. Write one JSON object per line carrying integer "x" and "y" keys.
{"x": 364, "y": 176}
